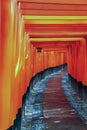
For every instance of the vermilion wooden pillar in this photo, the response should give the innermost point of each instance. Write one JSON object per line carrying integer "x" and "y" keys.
{"x": 6, "y": 48}
{"x": 12, "y": 63}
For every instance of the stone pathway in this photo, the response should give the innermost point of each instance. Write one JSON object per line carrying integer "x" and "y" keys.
{"x": 47, "y": 108}
{"x": 58, "y": 114}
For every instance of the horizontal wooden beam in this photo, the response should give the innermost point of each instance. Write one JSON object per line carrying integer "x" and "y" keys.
{"x": 54, "y": 12}
{"x": 35, "y": 26}
{"x": 54, "y": 21}
{"x": 51, "y": 44}
{"x": 56, "y": 1}
{"x": 51, "y": 6}
{"x": 55, "y": 39}
{"x": 53, "y": 17}
{"x": 56, "y": 28}
{"x": 56, "y": 35}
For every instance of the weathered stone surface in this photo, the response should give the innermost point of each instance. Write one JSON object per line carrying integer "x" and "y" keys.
{"x": 76, "y": 102}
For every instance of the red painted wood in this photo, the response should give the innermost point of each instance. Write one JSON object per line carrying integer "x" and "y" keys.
{"x": 19, "y": 59}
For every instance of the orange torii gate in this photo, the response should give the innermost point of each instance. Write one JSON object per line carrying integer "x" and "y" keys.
{"x": 26, "y": 49}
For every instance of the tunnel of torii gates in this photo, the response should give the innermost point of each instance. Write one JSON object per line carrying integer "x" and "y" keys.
{"x": 35, "y": 35}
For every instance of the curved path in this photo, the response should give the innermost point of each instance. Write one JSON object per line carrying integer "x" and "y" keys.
{"x": 47, "y": 108}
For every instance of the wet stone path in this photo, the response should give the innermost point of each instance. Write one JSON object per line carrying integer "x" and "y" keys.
{"x": 47, "y": 108}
